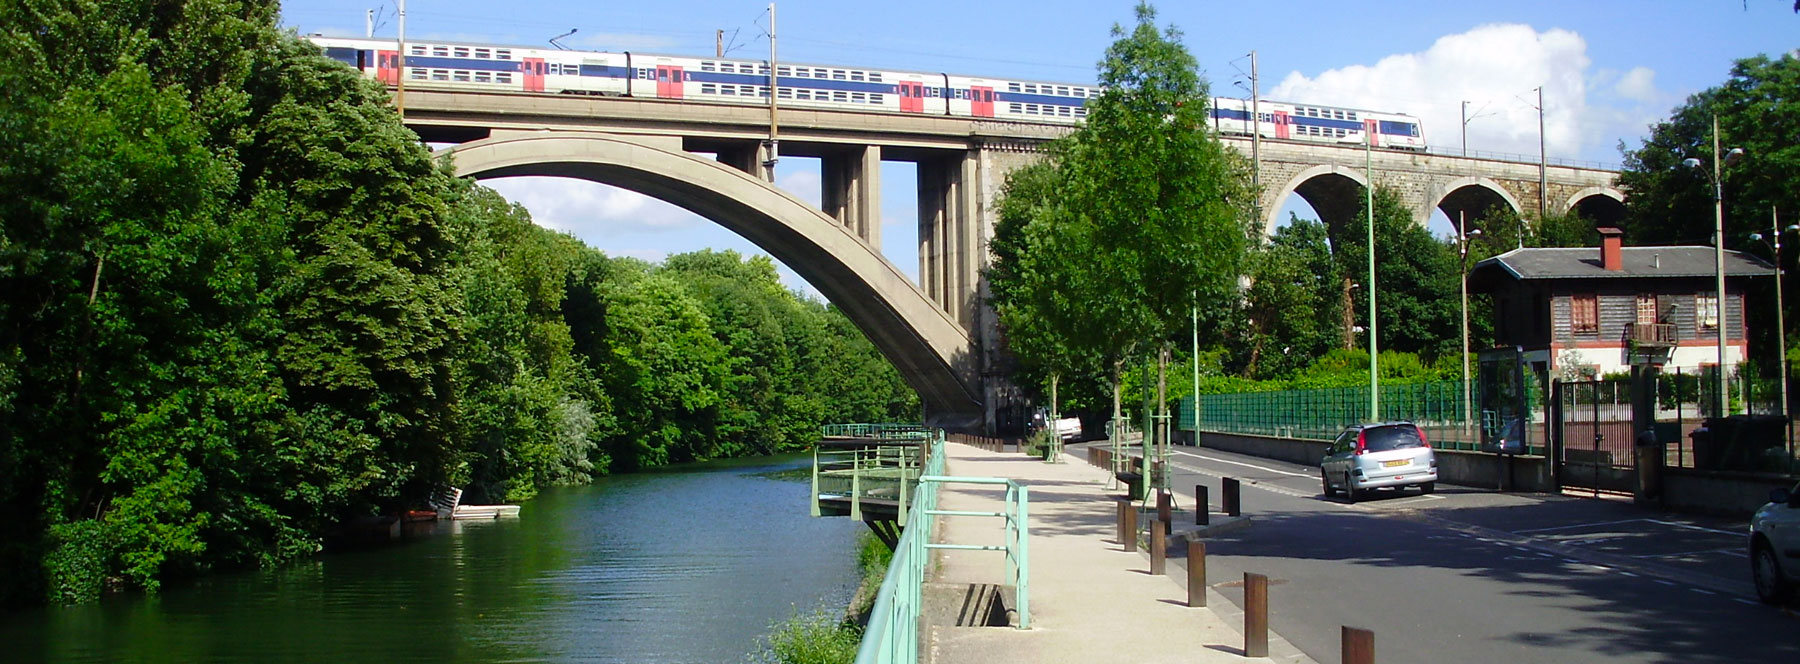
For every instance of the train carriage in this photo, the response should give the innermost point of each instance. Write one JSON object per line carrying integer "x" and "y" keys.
{"x": 430, "y": 64}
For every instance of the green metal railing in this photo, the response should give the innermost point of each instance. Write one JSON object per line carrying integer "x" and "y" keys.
{"x": 882, "y": 471}
{"x": 892, "y": 635}
{"x": 884, "y": 431}
{"x": 1437, "y": 407}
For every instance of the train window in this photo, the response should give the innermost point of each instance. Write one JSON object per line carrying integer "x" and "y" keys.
{"x": 462, "y": 52}
{"x": 483, "y": 54}
{"x": 875, "y": 76}
{"x": 483, "y": 77}
{"x": 503, "y": 77}
{"x": 762, "y": 70}
{"x": 706, "y": 66}
{"x": 1013, "y": 107}
{"x": 876, "y": 97}
{"x": 803, "y": 94}
{"x": 1012, "y": 87}
{"x": 1352, "y": 116}
{"x": 784, "y": 71}
{"x": 839, "y": 96}
{"x": 787, "y": 93}
{"x": 440, "y": 51}
{"x": 502, "y": 54}
{"x": 1063, "y": 111}
{"x": 708, "y": 88}
{"x": 857, "y": 97}
{"x": 415, "y": 74}
{"x": 838, "y": 75}
{"x": 1062, "y": 91}
{"x": 440, "y": 75}
{"x": 418, "y": 49}
{"x": 460, "y": 76}
{"x": 1081, "y": 112}
{"x": 856, "y": 76}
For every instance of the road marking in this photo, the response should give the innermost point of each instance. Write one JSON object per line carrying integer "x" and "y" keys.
{"x": 1628, "y": 574}
{"x": 1577, "y": 525}
{"x": 1665, "y": 582}
{"x": 1735, "y": 552}
{"x": 1247, "y": 465}
{"x": 1404, "y": 501}
{"x": 1688, "y": 526}
{"x": 1602, "y": 568}
{"x": 1703, "y": 592}
{"x": 1741, "y": 600}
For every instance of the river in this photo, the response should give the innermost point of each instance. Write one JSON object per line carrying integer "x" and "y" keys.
{"x": 690, "y": 564}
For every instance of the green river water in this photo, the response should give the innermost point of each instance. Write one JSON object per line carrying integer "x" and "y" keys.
{"x": 690, "y": 564}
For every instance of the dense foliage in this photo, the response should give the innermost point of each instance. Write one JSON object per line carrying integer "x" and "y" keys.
{"x": 1101, "y": 253}
{"x": 240, "y": 304}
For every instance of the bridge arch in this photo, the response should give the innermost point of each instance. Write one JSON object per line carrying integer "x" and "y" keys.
{"x": 1604, "y": 206}
{"x": 1471, "y": 196}
{"x": 1333, "y": 191}
{"x": 930, "y": 350}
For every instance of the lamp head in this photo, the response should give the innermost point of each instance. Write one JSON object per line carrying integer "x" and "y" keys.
{"x": 1756, "y": 237}
{"x": 1733, "y": 157}
{"x": 1795, "y": 227}
{"x": 1474, "y": 232}
{"x": 1691, "y": 162}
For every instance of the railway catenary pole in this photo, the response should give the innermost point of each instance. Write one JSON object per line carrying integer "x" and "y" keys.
{"x": 774, "y": 147}
{"x": 1374, "y": 347}
{"x": 1543, "y": 160}
{"x": 1255, "y": 137}
{"x": 400, "y": 65}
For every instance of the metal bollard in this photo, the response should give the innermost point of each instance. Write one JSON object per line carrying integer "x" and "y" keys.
{"x": 1159, "y": 551}
{"x": 1232, "y": 507}
{"x": 1131, "y": 528}
{"x": 1256, "y": 615}
{"x": 1164, "y": 511}
{"x": 1202, "y": 506}
{"x": 1196, "y": 563}
{"x": 1358, "y": 646}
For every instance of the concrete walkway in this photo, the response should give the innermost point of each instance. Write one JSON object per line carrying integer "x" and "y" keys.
{"x": 1090, "y": 601}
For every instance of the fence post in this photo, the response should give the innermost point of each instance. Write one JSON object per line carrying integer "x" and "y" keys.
{"x": 1164, "y": 510}
{"x": 1196, "y": 569}
{"x": 1256, "y": 615}
{"x": 1358, "y": 646}
{"x": 1130, "y": 538}
{"x": 1159, "y": 550}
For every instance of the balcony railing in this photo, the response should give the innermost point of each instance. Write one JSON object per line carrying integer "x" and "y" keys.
{"x": 1651, "y": 335}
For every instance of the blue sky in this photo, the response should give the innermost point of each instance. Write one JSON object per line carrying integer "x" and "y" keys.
{"x": 1609, "y": 69}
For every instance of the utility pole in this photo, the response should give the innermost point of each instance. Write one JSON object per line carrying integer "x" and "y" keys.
{"x": 718, "y": 43}
{"x": 774, "y": 105}
{"x": 1465, "y": 128}
{"x": 1256, "y": 136}
{"x": 400, "y": 62}
{"x": 1543, "y": 163}
{"x": 1374, "y": 344}
{"x": 369, "y": 24}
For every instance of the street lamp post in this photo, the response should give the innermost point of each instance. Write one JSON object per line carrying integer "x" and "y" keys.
{"x": 1730, "y": 159}
{"x": 1374, "y": 347}
{"x": 1775, "y": 231}
{"x": 1463, "y": 235}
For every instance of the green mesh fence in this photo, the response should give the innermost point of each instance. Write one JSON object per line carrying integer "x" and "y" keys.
{"x": 1437, "y": 407}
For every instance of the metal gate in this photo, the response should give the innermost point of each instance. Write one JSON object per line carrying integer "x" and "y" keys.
{"x": 1593, "y": 441}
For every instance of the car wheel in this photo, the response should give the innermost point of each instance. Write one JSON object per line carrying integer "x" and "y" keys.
{"x": 1427, "y": 487}
{"x": 1765, "y": 570}
{"x": 1326, "y": 480}
{"x": 1351, "y": 493}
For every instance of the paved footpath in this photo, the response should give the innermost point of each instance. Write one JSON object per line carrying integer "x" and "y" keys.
{"x": 1090, "y": 600}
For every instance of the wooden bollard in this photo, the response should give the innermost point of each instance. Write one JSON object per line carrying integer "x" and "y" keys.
{"x": 1159, "y": 550}
{"x": 1232, "y": 507}
{"x": 1164, "y": 511}
{"x": 1256, "y": 615}
{"x": 1119, "y": 525}
{"x": 1202, "y": 506}
{"x": 1196, "y": 563}
{"x": 1359, "y": 646}
{"x": 1130, "y": 527}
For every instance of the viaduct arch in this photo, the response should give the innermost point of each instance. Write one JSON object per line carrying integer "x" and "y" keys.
{"x": 931, "y": 350}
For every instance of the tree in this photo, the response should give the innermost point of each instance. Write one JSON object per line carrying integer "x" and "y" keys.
{"x": 1144, "y": 215}
{"x": 1293, "y": 301}
{"x": 1413, "y": 272}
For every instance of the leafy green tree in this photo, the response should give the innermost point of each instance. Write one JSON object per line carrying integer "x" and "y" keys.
{"x": 1293, "y": 301}
{"x": 665, "y": 369}
{"x": 1413, "y": 271}
{"x": 1149, "y": 216}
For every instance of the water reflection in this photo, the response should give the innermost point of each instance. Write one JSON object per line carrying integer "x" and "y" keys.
{"x": 686, "y": 565}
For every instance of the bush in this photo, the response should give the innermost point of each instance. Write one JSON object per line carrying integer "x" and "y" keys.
{"x": 812, "y": 638}
{"x": 76, "y": 567}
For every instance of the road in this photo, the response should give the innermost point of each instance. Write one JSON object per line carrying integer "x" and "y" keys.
{"x": 1470, "y": 575}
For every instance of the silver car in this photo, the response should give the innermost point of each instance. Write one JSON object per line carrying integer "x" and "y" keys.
{"x": 1775, "y": 546}
{"x": 1371, "y": 456}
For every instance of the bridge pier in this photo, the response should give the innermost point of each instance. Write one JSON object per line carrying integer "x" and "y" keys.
{"x": 949, "y": 243}
{"x": 851, "y": 190}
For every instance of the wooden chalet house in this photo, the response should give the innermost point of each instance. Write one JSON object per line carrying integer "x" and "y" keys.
{"x": 1582, "y": 312}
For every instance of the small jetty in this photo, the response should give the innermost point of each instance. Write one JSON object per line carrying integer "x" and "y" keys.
{"x": 448, "y": 503}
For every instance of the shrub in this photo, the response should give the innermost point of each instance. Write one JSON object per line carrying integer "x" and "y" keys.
{"x": 75, "y": 569}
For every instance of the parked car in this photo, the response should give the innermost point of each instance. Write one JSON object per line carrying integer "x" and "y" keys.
{"x": 1370, "y": 456}
{"x": 1775, "y": 546}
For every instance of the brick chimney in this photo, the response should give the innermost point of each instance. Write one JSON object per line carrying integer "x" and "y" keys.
{"x": 1612, "y": 242}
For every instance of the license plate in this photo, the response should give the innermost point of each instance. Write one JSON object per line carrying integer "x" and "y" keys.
{"x": 1395, "y": 463}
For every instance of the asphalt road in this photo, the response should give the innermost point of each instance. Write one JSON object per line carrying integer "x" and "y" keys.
{"x": 1469, "y": 575}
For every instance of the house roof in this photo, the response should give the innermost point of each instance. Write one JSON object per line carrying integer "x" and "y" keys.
{"x": 1638, "y": 262}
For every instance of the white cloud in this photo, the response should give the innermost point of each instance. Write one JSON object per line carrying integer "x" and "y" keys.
{"x": 591, "y": 210}
{"x": 803, "y": 184}
{"x": 1496, "y": 68}
{"x": 1639, "y": 84}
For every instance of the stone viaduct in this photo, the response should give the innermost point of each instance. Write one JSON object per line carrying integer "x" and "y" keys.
{"x": 711, "y": 159}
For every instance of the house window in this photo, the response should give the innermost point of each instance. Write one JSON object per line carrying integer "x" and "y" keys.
{"x": 1706, "y": 311}
{"x": 1585, "y": 313}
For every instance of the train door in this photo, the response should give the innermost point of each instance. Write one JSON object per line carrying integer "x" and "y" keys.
{"x": 533, "y": 69}
{"x": 1283, "y": 125}
{"x": 1370, "y": 134}
{"x": 387, "y": 67}
{"x": 668, "y": 81}
{"x": 981, "y": 102}
{"x": 912, "y": 97}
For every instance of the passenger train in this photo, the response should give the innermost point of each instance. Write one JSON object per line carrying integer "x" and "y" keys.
{"x": 432, "y": 64}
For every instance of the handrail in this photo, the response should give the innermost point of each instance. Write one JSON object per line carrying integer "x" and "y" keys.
{"x": 892, "y": 634}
